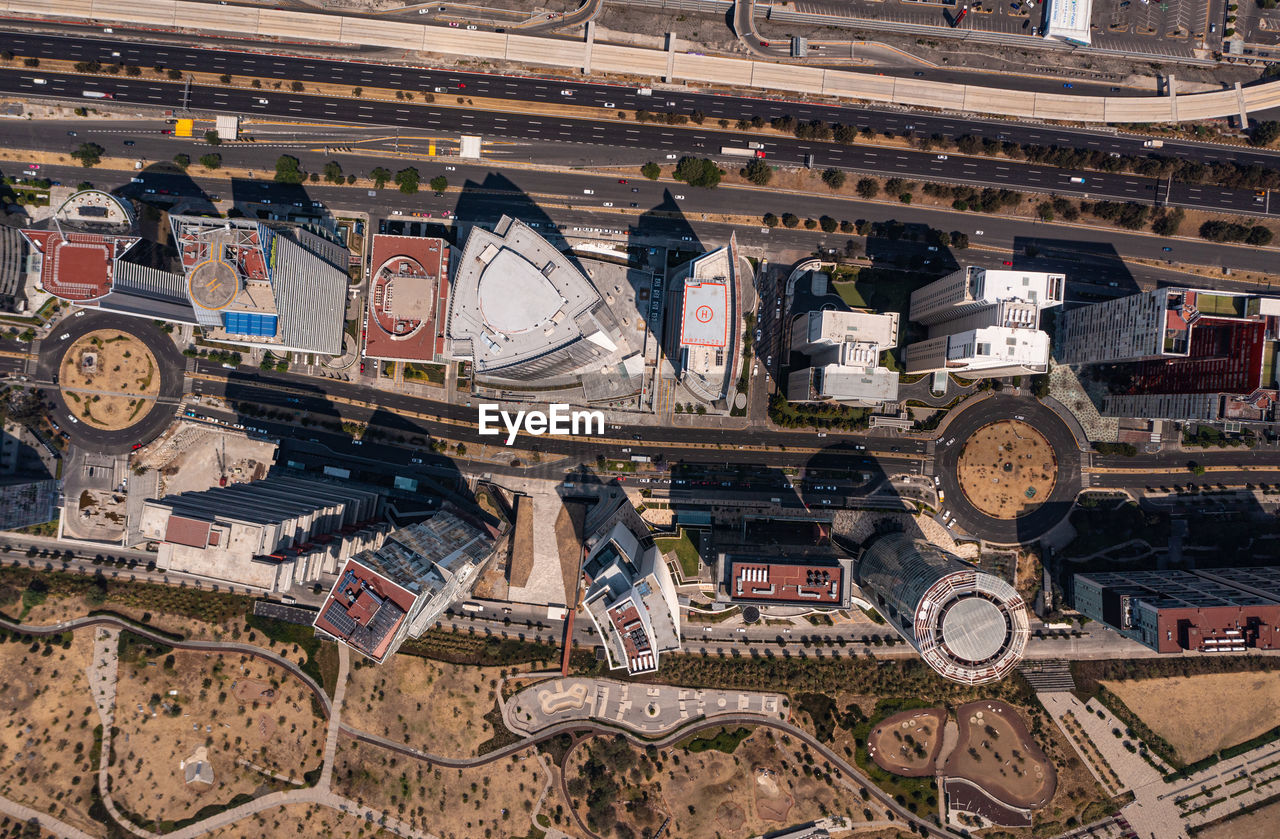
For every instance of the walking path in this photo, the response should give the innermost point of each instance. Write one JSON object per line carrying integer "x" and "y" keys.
{"x": 25, "y": 814}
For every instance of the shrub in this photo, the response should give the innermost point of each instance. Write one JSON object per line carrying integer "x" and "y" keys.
{"x": 834, "y": 178}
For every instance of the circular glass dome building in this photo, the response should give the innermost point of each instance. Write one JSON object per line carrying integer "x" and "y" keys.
{"x": 968, "y": 625}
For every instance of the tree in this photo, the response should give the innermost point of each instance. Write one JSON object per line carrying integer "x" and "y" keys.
{"x": 297, "y": 87}
{"x": 698, "y": 171}
{"x": 380, "y": 177}
{"x": 182, "y": 160}
{"x": 834, "y": 178}
{"x": 651, "y": 170}
{"x": 1195, "y": 468}
{"x": 1168, "y": 222}
{"x": 828, "y": 224}
{"x": 225, "y": 78}
{"x": 1264, "y": 133}
{"x": 959, "y": 240}
{"x": 211, "y": 137}
{"x": 289, "y": 170}
{"x": 1045, "y": 211}
{"x": 868, "y": 187}
{"x": 89, "y": 154}
{"x": 175, "y": 74}
{"x": 758, "y": 172}
{"x": 333, "y": 172}
{"x": 211, "y": 161}
{"x": 770, "y": 220}
{"x": 790, "y": 220}
{"x": 408, "y": 179}
{"x": 439, "y": 183}
{"x": 810, "y": 224}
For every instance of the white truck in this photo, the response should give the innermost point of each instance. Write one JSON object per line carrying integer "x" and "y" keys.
{"x": 644, "y": 91}
{"x": 1153, "y": 144}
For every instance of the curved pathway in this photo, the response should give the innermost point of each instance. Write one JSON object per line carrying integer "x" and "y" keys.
{"x": 171, "y": 368}
{"x": 321, "y": 794}
{"x": 968, "y": 418}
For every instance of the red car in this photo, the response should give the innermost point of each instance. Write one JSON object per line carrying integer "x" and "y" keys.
{"x": 1008, "y": 264}
{"x": 362, "y": 367}
{"x": 764, "y": 43}
{"x": 137, "y": 446}
{"x": 622, "y": 180}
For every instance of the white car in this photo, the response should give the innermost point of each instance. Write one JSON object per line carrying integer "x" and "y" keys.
{"x": 941, "y": 157}
{"x": 679, "y": 197}
{"x": 397, "y": 213}
{"x": 566, "y": 92}
{"x": 977, "y": 233}
{"x": 73, "y": 419}
{"x": 610, "y": 105}
{"x": 608, "y": 203}
{"x": 588, "y": 192}
{"x": 65, "y": 336}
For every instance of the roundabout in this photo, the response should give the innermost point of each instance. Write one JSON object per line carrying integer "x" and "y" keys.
{"x": 1010, "y": 468}
{"x": 114, "y": 380}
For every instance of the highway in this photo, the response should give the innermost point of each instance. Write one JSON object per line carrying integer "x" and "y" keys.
{"x": 617, "y": 133}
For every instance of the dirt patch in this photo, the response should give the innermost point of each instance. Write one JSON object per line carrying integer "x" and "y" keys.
{"x": 908, "y": 743}
{"x": 253, "y": 690}
{"x": 430, "y": 705}
{"x": 772, "y": 802}
{"x": 730, "y": 817}
{"x": 47, "y": 740}
{"x": 109, "y": 379}
{"x": 1234, "y": 707}
{"x": 996, "y": 752}
{"x": 492, "y": 800}
{"x": 1258, "y": 824}
{"x": 1007, "y": 469}
{"x": 158, "y": 728}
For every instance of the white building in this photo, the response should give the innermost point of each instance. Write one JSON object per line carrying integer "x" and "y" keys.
{"x": 270, "y": 534}
{"x": 984, "y": 323}
{"x": 630, "y": 596}
{"x": 844, "y": 349}
{"x": 1068, "y": 20}
{"x": 709, "y": 331}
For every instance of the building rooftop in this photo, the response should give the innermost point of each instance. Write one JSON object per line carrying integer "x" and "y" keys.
{"x": 998, "y": 346}
{"x": 364, "y": 610}
{"x": 409, "y": 298}
{"x": 709, "y": 322}
{"x": 813, "y": 584}
{"x": 75, "y": 266}
{"x": 705, "y": 318}
{"x": 516, "y": 299}
{"x": 856, "y": 328}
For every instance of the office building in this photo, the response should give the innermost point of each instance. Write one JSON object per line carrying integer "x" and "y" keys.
{"x": 968, "y": 625}
{"x": 984, "y": 323}
{"x": 268, "y": 535}
{"x": 408, "y": 299}
{"x": 630, "y": 596}
{"x": 398, "y": 590}
{"x": 844, "y": 351}
{"x": 778, "y": 581}
{"x": 28, "y": 501}
{"x": 522, "y": 312}
{"x": 1202, "y": 610}
{"x": 1189, "y": 354}
{"x": 709, "y": 323}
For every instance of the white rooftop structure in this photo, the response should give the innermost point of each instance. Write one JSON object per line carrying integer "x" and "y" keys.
{"x": 520, "y": 310}
{"x": 829, "y": 328}
{"x": 1068, "y": 20}
{"x": 709, "y": 322}
{"x": 844, "y": 349}
{"x": 989, "y": 351}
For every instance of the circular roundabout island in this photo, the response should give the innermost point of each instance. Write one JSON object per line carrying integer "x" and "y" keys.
{"x": 1009, "y": 467}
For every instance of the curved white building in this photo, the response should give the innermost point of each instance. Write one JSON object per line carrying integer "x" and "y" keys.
{"x": 968, "y": 625}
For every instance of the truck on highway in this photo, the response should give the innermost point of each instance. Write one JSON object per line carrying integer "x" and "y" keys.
{"x": 1153, "y": 144}
{"x": 644, "y": 91}
{"x": 472, "y": 607}
{"x": 96, "y": 94}
{"x": 737, "y": 152}
{"x": 1077, "y": 180}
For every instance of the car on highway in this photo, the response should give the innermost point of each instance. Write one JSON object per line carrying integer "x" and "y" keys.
{"x": 608, "y": 203}
{"x": 1007, "y": 264}
{"x": 634, "y": 188}
{"x": 65, "y": 336}
{"x": 918, "y": 73}
{"x": 128, "y": 142}
{"x": 679, "y": 197}
{"x": 1166, "y": 249}
{"x": 588, "y": 192}
{"x": 941, "y": 157}
{"x": 72, "y": 134}
{"x": 764, "y": 43}
{"x": 1068, "y": 85}
{"x": 622, "y": 180}
{"x": 397, "y": 212}
{"x": 73, "y": 419}
{"x": 264, "y": 101}
{"x": 472, "y": 27}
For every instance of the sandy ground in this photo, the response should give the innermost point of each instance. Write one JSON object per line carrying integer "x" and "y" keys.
{"x": 430, "y": 705}
{"x": 300, "y": 820}
{"x": 47, "y": 732}
{"x": 894, "y": 752}
{"x": 1007, "y": 469}
{"x": 281, "y": 733}
{"x": 1260, "y": 824}
{"x": 191, "y": 457}
{"x": 494, "y": 800}
{"x": 57, "y": 609}
{"x": 1236, "y": 706}
{"x": 102, "y": 366}
{"x": 759, "y": 788}
{"x": 1005, "y": 763}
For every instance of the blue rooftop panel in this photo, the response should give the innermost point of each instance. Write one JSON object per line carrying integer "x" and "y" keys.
{"x": 250, "y": 323}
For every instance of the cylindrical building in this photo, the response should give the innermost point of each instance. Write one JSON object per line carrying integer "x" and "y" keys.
{"x": 968, "y": 625}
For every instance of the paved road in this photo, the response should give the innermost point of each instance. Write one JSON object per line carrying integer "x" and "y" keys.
{"x": 614, "y": 133}
{"x": 171, "y": 369}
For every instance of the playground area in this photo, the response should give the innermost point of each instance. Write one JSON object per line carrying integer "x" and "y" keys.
{"x": 109, "y": 379}
{"x": 1007, "y": 469}
{"x": 908, "y": 743}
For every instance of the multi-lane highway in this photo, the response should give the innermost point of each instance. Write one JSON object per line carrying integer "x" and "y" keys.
{"x": 613, "y": 133}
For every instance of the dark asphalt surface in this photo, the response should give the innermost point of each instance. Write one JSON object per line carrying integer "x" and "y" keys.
{"x": 976, "y": 414}
{"x": 171, "y": 364}
{"x": 706, "y": 140}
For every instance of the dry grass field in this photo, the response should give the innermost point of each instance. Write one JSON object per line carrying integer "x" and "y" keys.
{"x": 47, "y": 724}
{"x": 996, "y": 752}
{"x": 239, "y": 707}
{"x": 765, "y": 784}
{"x": 56, "y": 609}
{"x": 302, "y": 820}
{"x": 109, "y": 378}
{"x": 427, "y": 704}
{"x": 1007, "y": 469}
{"x": 1260, "y": 824}
{"x": 493, "y": 801}
{"x": 1236, "y": 707}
